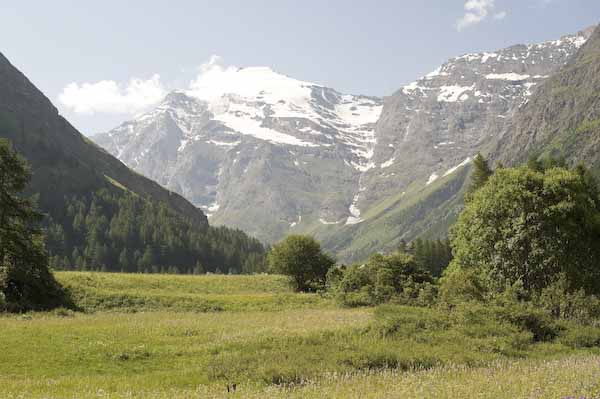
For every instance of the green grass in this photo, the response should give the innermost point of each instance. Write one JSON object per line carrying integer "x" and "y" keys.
{"x": 206, "y": 293}
{"x": 306, "y": 347}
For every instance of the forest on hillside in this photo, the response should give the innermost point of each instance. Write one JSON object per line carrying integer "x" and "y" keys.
{"x": 106, "y": 231}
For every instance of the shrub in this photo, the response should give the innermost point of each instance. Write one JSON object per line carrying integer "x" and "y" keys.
{"x": 578, "y": 336}
{"x": 301, "y": 258}
{"x": 557, "y": 300}
{"x": 528, "y": 318}
{"x": 395, "y": 277}
{"x": 460, "y": 285}
{"x": 406, "y": 321}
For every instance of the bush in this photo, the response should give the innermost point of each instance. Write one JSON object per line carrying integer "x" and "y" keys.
{"x": 460, "y": 285}
{"x": 528, "y": 318}
{"x": 407, "y": 321}
{"x": 395, "y": 277}
{"x": 301, "y": 258}
{"x": 581, "y": 337}
{"x": 558, "y": 301}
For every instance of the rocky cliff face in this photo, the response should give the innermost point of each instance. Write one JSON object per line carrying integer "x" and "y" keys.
{"x": 273, "y": 155}
{"x": 262, "y": 155}
{"x": 562, "y": 118}
{"x": 443, "y": 119}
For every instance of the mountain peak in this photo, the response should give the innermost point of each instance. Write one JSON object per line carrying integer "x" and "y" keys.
{"x": 251, "y": 83}
{"x": 272, "y": 155}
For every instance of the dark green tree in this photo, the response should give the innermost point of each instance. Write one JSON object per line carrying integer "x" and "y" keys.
{"x": 26, "y": 282}
{"x": 301, "y": 258}
{"x": 531, "y": 227}
{"x": 481, "y": 174}
{"x": 113, "y": 230}
{"x": 383, "y": 278}
{"x": 433, "y": 256}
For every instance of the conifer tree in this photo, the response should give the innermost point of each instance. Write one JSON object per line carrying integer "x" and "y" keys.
{"x": 481, "y": 173}
{"x": 25, "y": 279}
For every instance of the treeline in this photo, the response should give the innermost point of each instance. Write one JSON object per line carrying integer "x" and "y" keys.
{"x": 121, "y": 232}
{"x": 106, "y": 230}
{"x": 431, "y": 255}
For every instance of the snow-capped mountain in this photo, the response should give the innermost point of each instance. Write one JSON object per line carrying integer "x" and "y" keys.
{"x": 443, "y": 119}
{"x": 272, "y": 155}
{"x": 229, "y": 142}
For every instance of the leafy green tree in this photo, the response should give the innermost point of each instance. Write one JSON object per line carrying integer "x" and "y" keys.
{"x": 25, "y": 279}
{"x": 301, "y": 258}
{"x": 531, "y": 226}
{"x": 383, "y": 278}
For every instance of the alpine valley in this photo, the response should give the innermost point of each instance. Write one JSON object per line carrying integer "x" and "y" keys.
{"x": 273, "y": 155}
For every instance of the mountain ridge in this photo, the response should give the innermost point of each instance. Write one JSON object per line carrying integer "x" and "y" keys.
{"x": 338, "y": 181}
{"x": 81, "y": 147}
{"x": 101, "y": 214}
{"x": 563, "y": 119}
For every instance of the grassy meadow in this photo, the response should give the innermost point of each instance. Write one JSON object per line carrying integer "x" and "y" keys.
{"x": 207, "y": 293}
{"x": 157, "y": 336}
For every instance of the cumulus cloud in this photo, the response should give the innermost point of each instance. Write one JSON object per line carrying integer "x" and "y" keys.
{"x": 108, "y": 96}
{"x": 476, "y": 11}
{"x": 213, "y": 79}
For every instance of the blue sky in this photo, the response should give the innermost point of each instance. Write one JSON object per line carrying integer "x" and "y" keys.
{"x": 353, "y": 46}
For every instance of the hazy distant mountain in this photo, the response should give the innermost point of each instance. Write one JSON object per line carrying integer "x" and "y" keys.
{"x": 273, "y": 155}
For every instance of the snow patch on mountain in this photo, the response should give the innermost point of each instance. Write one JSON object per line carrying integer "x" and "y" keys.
{"x": 454, "y": 93}
{"x": 354, "y": 217}
{"x": 507, "y": 76}
{"x": 455, "y": 168}
{"x": 323, "y": 221}
{"x": 433, "y": 177}
{"x": 387, "y": 163}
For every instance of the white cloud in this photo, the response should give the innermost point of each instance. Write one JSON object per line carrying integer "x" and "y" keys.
{"x": 477, "y": 11}
{"x": 108, "y": 96}
{"x": 214, "y": 79}
{"x": 129, "y": 98}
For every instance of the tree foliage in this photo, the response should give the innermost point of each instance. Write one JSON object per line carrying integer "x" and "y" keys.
{"x": 301, "y": 258}
{"x": 119, "y": 231}
{"x": 481, "y": 173}
{"x": 532, "y": 226}
{"x": 25, "y": 279}
{"x": 383, "y": 278}
{"x": 431, "y": 255}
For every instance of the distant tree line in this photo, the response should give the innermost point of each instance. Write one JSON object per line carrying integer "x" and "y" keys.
{"x": 431, "y": 255}
{"x": 121, "y": 232}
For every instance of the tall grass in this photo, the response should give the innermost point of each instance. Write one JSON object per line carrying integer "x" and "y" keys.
{"x": 156, "y": 342}
{"x": 207, "y": 293}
